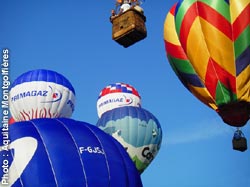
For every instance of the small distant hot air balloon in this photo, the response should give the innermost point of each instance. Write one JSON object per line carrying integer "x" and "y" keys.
{"x": 208, "y": 47}
{"x": 117, "y": 95}
{"x": 41, "y": 94}
{"x": 137, "y": 130}
{"x": 64, "y": 152}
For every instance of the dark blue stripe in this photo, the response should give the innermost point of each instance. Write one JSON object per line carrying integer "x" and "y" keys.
{"x": 243, "y": 61}
{"x": 191, "y": 79}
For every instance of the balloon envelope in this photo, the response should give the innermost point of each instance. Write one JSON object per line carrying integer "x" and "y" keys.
{"x": 64, "y": 152}
{"x": 137, "y": 130}
{"x": 208, "y": 47}
{"x": 41, "y": 94}
{"x": 117, "y": 95}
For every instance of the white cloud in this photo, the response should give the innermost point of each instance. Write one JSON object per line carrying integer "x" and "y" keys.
{"x": 189, "y": 133}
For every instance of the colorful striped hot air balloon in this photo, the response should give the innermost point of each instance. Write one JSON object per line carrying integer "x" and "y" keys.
{"x": 208, "y": 46}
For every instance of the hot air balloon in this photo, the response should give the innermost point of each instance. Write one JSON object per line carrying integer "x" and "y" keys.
{"x": 117, "y": 95}
{"x": 41, "y": 94}
{"x": 208, "y": 46}
{"x": 137, "y": 130}
{"x": 64, "y": 152}
{"x": 128, "y": 22}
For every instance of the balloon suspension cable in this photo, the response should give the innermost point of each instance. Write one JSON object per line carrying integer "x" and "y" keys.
{"x": 239, "y": 130}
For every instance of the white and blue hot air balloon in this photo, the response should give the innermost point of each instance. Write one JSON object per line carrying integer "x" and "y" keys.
{"x": 41, "y": 94}
{"x": 117, "y": 95}
{"x": 137, "y": 130}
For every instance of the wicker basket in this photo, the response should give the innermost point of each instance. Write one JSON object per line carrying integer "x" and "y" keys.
{"x": 240, "y": 144}
{"x": 129, "y": 27}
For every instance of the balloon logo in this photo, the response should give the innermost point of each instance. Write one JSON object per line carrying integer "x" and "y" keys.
{"x": 208, "y": 46}
{"x": 117, "y": 95}
{"x": 64, "y": 152}
{"x": 41, "y": 94}
{"x": 11, "y": 120}
{"x": 137, "y": 130}
{"x": 56, "y": 95}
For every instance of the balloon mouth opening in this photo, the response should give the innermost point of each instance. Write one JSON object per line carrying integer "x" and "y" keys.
{"x": 235, "y": 113}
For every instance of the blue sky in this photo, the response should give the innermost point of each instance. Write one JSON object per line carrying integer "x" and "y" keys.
{"x": 74, "y": 39}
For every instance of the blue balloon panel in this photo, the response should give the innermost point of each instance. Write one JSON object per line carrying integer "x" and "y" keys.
{"x": 43, "y": 75}
{"x": 62, "y": 152}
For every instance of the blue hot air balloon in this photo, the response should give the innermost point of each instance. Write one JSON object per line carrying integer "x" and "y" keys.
{"x": 137, "y": 130}
{"x": 41, "y": 94}
{"x": 62, "y": 152}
